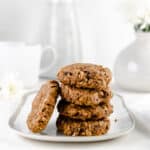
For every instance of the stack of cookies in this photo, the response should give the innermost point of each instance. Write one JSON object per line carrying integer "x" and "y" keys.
{"x": 85, "y": 106}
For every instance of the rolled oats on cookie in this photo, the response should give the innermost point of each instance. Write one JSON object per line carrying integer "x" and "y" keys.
{"x": 72, "y": 127}
{"x": 82, "y": 75}
{"x": 84, "y": 112}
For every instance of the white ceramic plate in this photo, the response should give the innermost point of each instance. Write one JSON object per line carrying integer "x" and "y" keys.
{"x": 122, "y": 122}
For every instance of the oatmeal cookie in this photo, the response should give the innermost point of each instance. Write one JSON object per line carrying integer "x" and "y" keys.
{"x": 43, "y": 106}
{"x": 88, "y": 97}
{"x": 82, "y": 75}
{"x": 72, "y": 127}
{"x": 84, "y": 112}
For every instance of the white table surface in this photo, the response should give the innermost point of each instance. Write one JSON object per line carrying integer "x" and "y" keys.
{"x": 138, "y": 139}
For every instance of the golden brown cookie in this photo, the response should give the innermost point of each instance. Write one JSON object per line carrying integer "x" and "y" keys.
{"x": 43, "y": 106}
{"x": 82, "y": 128}
{"x": 88, "y": 97}
{"x": 82, "y": 75}
{"x": 84, "y": 112}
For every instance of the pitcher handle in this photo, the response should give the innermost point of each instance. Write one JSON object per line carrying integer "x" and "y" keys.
{"x": 47, "y": 64}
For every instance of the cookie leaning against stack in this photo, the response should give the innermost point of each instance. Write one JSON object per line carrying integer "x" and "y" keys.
{"x": 43, "y": 106}
{"x": 85, "y": 105}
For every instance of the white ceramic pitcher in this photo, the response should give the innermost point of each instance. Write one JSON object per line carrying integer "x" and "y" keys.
{"x": 62, "y": 45}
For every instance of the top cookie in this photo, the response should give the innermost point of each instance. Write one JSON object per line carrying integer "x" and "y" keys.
{"x": 43, "y": 106}
{"x": 82, "y": 75}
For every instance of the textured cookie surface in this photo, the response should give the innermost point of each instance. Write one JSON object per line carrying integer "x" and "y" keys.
{"x": 84, "y": 112}
{"x": 88, "y": 97}
{"x": 71, "y": 127}
{"x": 43, "y": 106}
{"x": 82, "y": 75}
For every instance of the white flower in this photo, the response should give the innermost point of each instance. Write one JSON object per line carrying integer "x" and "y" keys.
{"x": 134, "y": 10}
{"x": 147, "y": 17}
{"x": 11, "y": 87}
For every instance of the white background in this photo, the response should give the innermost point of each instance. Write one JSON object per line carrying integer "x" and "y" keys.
{"x": 104, "y": 32}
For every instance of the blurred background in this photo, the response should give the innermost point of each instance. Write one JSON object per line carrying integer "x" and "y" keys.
{"x": 104, "y": 32}
{"x": 38, "y": 37}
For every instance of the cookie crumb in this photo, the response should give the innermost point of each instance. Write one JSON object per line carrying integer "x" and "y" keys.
{"x": 116, "y": 120}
